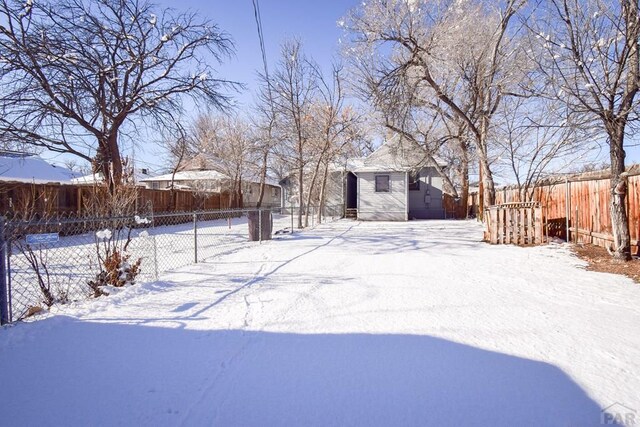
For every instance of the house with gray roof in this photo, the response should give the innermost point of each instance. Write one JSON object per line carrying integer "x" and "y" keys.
{"x": 397, "y": 182}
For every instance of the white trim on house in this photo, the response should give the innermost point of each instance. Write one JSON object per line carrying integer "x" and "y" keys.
{"x": 406, "y": 195}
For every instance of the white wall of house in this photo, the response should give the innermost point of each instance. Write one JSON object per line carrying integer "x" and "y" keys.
{"x": 251, "y": 192}
{"x": 425, "y": 202}
{"x": 334, "y": 191}
{"x": 382, "y": 206}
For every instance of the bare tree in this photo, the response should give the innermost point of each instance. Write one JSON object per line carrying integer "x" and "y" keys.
{"x": 416, "y": 46}
{"x": 75, "y": 75}
{"x": 267, "y": 137}
{"x": 227, "y": 146}
{"x": 294, "y": 87}
{"x": 536, "y": 138}
{"x": 589, "y": 59}
{"x": 179, "y": 148}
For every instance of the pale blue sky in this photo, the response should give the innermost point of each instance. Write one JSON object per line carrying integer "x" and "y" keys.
{"x": 313, "y": 22}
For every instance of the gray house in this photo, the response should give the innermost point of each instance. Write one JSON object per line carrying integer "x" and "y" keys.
{"x": 395, "y": 183}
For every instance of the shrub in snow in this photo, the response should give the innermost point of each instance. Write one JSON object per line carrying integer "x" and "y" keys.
{"x": 116, "y": 271}
{"x": 52, "y": 290}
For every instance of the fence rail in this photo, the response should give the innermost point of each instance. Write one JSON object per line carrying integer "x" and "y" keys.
{"x": 57, "y": 261}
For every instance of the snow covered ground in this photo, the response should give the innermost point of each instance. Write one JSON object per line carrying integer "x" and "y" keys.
{"x": 72, "y": 260}
{"x": 351, "y": 323}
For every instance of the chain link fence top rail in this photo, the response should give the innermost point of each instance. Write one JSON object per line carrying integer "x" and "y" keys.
{"x": 66, "y": 259}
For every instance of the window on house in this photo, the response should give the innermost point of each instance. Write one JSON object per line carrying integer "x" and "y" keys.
{"x": 383, "y": 184}
{"x": 275, "y": 192}
{"x": 414, "y": 181}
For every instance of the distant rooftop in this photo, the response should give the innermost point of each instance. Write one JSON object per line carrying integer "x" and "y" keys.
{"x": 200, "y": 175}
{"x": 93, "y": 178}
{"x": 17, "y": 166}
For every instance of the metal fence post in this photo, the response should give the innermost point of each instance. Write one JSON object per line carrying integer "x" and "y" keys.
{"x": 260, "y": 225}
{"x": 4, "y": 295}
{"x": 195, "y": 237}
{"x": 291, "y": 217}
{"x": 155, "y": 256}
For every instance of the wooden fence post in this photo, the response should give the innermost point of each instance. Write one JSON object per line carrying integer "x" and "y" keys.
{"x": 538, "y": 225}
{"x": 493, "y": 225}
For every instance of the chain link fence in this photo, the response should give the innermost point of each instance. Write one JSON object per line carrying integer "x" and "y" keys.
{"x": 48, "y": 262}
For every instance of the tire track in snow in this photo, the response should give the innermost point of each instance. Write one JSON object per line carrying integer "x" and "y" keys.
{"x": 226, "y": 368}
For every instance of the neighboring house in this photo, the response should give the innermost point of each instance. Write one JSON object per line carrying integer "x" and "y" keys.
{"x": 199, "y": 180}
{"x": 251, "y": 192}
{"x": 214, "y": 181}
{"x": 30, "y": 168}
{"x": 95, "y": 178}
{"x": 395, "y": 183}
{"x": 29, "y": 185}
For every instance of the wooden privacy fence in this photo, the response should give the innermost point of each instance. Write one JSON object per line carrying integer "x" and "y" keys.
{"x": 576, "y": 207}
{"x": 43, "y": 200}
{"x": 515, "y": 223}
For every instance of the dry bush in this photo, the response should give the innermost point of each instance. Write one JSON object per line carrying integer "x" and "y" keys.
{"x": 114, "y": 211}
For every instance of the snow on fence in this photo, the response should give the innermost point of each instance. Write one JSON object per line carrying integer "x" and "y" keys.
{"x": 47, "y": 262}
{"x": 515, "y": 223}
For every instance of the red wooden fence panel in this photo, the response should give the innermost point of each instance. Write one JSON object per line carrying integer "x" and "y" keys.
{"x": 585, "y": 198}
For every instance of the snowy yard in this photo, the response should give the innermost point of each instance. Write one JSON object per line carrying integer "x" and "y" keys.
{"x": 351, "y": 323}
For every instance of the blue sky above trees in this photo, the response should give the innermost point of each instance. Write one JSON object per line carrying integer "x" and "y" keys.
{"x": 313, "y": 22}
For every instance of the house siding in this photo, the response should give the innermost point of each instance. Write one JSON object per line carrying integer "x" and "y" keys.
{"x": 426, "y": 203}
{"x": 251, "y": 193}
{"x": 391, "y": 206}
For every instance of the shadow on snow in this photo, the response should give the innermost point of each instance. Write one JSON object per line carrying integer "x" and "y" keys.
{"x": 83, "y": 373}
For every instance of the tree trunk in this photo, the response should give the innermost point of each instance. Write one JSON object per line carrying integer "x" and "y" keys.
{"x": 109, "y": 162}
{"x": 311, "y": 186}
{"x": 300, "y": 191}
{"x": 618, "y": 206}
{"x": 464, "y": 182}
{"x": 114, "y": 159}
{"x": 323, "y": 192}
{"x": 487, "y": 188}
{"x": 239, "y": 194}
{"x": 263, "y": 178}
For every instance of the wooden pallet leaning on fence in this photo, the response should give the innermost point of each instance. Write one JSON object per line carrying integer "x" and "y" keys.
{"x": 515, "y": 223}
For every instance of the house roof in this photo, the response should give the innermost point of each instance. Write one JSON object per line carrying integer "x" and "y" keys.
{"x": 25, "y": 167}
{"x": 397, "y": 155}
{"x": 200, "y": 175}
{"x": 190, "y": 175}
{"x": 94, "y": 178}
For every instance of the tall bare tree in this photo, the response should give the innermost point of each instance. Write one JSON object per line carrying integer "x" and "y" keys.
{"x": 294, "y": 87}
{"x": 535, "y": 137}
{"x": 588, "y": 57}
{"x": 267, "y": 137}
{"x": 415, "y": 46}
{"x": 227, "y": 144}
{"x": 75, "y": 75}
{"x": 334, "y": 126}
